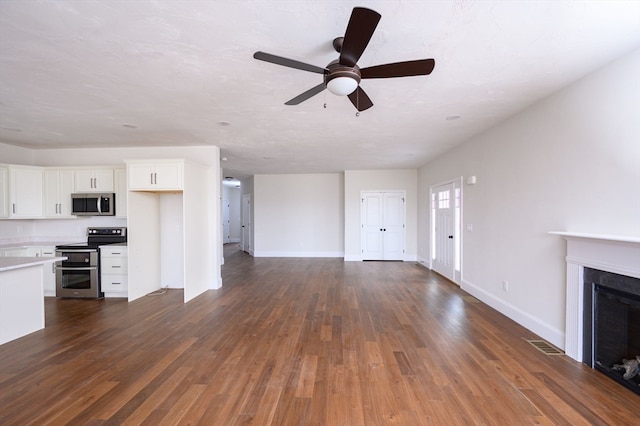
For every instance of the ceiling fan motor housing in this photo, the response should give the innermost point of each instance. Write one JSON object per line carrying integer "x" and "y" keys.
{"x": 337, "y": 70}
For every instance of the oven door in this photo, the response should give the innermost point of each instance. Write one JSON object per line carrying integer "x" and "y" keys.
{"x": 77, "y": 282}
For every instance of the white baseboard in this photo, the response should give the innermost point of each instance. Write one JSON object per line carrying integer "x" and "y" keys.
{"x": 551, "y": 334}
{"x": 298, "y": 254}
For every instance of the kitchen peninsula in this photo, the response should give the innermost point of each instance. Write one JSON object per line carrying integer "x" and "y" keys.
{"x": 22, "y": 295}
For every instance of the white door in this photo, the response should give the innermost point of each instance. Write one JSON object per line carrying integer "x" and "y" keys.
{"x": 444, "y": 232}
{"x": 383, "y": 225}
{"x": 245, "y": 243}
{"x": 371, "y": 226}
{"x": 393, "y": 230}
{"x": 226, "y": 229}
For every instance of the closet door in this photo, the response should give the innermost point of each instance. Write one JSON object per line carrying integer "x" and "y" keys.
{"x": 383, "y": 225}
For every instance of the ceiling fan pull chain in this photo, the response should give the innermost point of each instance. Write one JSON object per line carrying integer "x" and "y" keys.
{"x": 357, "y": 103}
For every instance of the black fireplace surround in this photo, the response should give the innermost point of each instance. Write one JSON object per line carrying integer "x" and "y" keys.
{"x": 612, "y": 324}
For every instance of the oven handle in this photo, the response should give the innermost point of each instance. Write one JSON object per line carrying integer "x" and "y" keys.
{"x": 66, "y": 268}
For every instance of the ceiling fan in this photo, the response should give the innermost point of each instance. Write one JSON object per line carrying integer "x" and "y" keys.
{"x": 342, "y": 76}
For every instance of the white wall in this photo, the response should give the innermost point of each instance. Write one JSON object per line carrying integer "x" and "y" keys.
{"x": 298, "y": 215}
{"x": 378, "y": 180}
{"x": 570, "y": 162}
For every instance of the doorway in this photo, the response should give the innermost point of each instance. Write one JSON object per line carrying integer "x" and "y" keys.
{"x": 446, "y": 213}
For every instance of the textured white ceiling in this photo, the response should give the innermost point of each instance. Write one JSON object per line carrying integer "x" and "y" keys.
{"x": 83, "y": 73}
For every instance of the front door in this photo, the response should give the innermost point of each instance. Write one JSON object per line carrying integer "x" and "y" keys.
{"x": 444, "y": 232}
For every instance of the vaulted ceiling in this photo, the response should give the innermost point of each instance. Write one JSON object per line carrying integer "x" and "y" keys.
{"x": 172, "y": 73}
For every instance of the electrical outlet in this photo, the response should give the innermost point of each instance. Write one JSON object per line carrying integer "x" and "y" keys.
{"x": 505, "y": 285}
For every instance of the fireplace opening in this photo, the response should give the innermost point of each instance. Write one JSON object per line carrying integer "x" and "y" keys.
{"x": 612, "y": 326}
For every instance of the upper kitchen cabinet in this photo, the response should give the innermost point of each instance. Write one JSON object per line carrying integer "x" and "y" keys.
{"x": 58, "y": 186}
{"x": 4, "y": 191}
{"x": 22, "y": 192}
{"x": 156, "y": 175}
{"x": 94, "y": 180}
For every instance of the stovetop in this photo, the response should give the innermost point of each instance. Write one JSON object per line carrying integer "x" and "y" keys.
{"x": 98, "y": 237}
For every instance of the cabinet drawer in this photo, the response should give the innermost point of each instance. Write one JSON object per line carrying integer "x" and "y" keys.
{"x": 113, "y": 265}
{"x": 113, "y": 251}
{"x": 112, "y": 283}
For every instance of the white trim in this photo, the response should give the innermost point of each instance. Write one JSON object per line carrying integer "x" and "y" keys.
{"x": 542, "y": 329}
{"x": 339, "y": 254}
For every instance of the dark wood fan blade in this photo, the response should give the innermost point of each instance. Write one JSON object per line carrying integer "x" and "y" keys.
{"x": 286, "y": 62}
{"x": 306, "y": 95}
{"x": 399, "y": 69}
{"x": 360, "y": 100}
{"x": 361, "y": 26}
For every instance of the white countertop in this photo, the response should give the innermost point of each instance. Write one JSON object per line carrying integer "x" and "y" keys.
{"x": 9, "y": 263}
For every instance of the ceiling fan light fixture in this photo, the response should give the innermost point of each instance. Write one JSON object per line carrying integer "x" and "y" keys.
{"x": 342, "y": 86}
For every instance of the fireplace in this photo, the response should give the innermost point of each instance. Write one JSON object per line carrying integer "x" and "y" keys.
{"x": 614, "y": 286}
{"x": 611, "y": 341}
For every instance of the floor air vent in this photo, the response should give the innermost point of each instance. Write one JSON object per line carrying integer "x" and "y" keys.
{"x": 545, "y": 347}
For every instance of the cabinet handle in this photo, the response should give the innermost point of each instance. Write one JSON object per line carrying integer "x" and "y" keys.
{"x": 155, "y": 178}
{"x": 116, "y": 283}
{"x": 14, "y": 208}
{"x": 151, "y": 177}
{"x": 116, "y": 266}
{"x": 115, "y": 252}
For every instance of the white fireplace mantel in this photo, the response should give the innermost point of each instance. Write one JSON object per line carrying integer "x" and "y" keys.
{"x": 611, "y": 253}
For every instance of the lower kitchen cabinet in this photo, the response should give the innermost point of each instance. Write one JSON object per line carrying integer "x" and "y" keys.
{"x": 114, "y": 271}
{"x": 49, "y": 271}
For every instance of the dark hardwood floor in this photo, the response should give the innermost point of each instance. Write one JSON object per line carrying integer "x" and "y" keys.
{"x": 298, "y": 342}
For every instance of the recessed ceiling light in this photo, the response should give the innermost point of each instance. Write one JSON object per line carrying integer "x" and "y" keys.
{"x": 224, "y": 158}
{"x": 11, "y": 129}
{"x": 129, "y": 126}
{"x": 453, "y": 117}
{"x": 224, "y": 123}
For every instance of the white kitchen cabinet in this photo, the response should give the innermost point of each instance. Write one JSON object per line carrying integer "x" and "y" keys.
{"x": 156, "y": 175}
{"x": 49, "y": 275}
{"x": 120, "y": 176}
{"x": 114, "y": 270}
{"x": 25, "y": 191}
{"x": 4, "y": 192}
{"x": 94, "y": 180}
{"x": 49, "y": 271}
{"x": 58, "y": 186}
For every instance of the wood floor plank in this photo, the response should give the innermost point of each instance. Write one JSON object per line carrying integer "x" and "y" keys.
{"x": 298, "y": 341}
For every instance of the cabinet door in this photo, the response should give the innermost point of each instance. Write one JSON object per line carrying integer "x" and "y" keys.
{"x": 168, "y": 176}
{"x": 49, "y": 271}
{"x": 26, "y": 192}
{"x": 84, "y": 181}
{"x": 103, "y": 180}
{"x": 140, "y": 175}
{"x": 58, "y": 186}
{"x": 94, "y": 180}
{"x": 4, "y": 192}
{"x": 65, "y": 189}
{"x": 51, "y": 193}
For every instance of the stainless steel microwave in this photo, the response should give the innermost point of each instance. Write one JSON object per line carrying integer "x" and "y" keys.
{"x": 93, "y": 204}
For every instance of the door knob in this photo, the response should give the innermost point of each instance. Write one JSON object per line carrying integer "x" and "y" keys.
{"x": 451, "y": 237}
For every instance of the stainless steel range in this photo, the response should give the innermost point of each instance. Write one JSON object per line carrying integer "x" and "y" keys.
{"x": 78, "y": 275}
